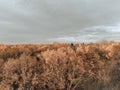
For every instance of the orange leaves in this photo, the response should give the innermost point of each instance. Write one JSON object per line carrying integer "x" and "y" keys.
{"x": 59, "y": 66}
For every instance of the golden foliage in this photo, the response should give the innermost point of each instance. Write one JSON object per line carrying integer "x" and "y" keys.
{"x": 60, "y": 66}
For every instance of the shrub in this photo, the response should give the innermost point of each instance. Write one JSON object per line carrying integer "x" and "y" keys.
{"x": 56, "y": 66}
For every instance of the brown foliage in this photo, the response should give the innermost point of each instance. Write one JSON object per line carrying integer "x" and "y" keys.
{"x": 60, "y": 66}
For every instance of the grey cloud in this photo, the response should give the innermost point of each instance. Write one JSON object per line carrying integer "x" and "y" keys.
{"x": 40, "y": 17}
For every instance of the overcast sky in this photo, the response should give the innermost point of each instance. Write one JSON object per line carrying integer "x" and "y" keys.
{"x": 40, "y": 17}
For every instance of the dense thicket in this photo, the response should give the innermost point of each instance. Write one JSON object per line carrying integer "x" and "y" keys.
{"x": 60, "y": 66}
